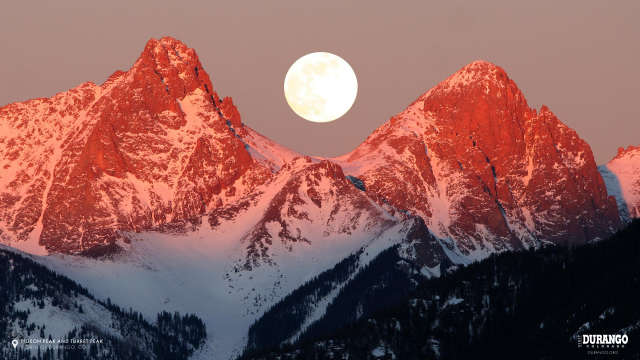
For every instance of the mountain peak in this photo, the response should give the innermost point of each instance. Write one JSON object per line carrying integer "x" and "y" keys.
{"x": 168, "y": 43}
{"x": 485, "y": 63}
{"x": 153, "y": 144}
{"x": 478, "y": 73}
{"x": 472, "y": 142}
{"x": 176, "y": 65}
{"x": 479, "y": 88}
{"x": 479, "y": 65}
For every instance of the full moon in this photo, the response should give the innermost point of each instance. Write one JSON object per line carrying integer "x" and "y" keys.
{"x": 320, "y": 87}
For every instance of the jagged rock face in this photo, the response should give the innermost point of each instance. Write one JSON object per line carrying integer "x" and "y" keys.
{"x": 622, "y": 176}
{"x": 485, "y": 170}
{"x": 150, "y": 146}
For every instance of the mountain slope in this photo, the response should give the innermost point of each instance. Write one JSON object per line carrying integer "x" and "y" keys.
{"x": 42, "y": 305}
{"x": 360, "y": 284}
{"x": 202, "y": 272}
{"x": 486, "y": 172}
{"x": 529, "y": 305}
{"x": 622, "y": 176}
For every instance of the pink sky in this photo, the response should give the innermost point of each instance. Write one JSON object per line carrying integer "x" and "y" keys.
{"x": 579, "y": 58}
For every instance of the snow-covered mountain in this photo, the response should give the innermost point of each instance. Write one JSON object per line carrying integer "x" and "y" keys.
{"x": 622, "y": 176}
{"x": 486, "y": 172}
{"x": 150, "y": 190}
{"x": 155, "y": 148}
{"x": 151, "y": 146}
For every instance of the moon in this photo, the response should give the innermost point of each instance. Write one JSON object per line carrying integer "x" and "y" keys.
{"x": 320, "y": 87}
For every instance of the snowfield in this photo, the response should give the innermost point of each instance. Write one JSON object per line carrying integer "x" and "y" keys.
{"x": 195, "y": 273}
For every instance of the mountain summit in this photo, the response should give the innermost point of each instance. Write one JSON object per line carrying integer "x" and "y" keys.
{"x": 485, "y": 171}
{"x": 622, "y": 176}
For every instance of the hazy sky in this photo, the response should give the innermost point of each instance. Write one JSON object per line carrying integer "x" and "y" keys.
{"x": 580, "y": 58}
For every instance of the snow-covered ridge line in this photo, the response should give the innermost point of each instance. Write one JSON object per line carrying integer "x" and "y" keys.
{"x": 622, "y": 178}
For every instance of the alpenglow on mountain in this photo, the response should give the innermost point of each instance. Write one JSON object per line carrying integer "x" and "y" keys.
{"x": 155, "y": 148}
{"x": 157, "y": 173}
